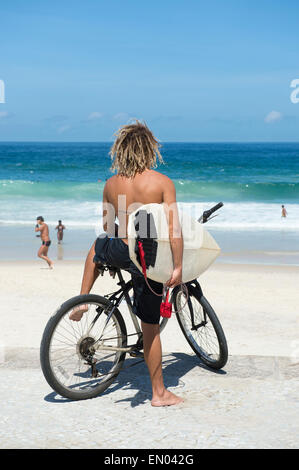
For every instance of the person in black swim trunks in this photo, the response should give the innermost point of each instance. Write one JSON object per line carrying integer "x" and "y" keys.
{"x": 43, "y": 228}
{"x": 134, "y": 154}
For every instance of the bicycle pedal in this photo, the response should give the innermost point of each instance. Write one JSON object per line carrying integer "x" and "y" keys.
{"x": 136, "y": 353}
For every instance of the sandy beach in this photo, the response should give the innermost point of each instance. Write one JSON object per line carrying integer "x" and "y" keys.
{"x": 251, "y": 403}
{"x": 257, "y": 305}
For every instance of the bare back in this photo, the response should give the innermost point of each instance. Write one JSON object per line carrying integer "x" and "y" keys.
{"x": 127, "y": 194}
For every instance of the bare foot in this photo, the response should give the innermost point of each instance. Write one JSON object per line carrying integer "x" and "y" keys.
{"x": 77, "y": 313}
{"x": 167, "y": 399}
{"x": 51, "y": 265}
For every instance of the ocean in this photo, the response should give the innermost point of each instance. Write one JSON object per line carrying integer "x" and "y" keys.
{"x": 65, "y": 181}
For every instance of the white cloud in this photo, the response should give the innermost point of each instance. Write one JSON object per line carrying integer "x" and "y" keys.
{"x": 63, "y": 129}
{"x": 94, "y": 115}
{"x": 121, "y": 117}
{"x": 4, "y": 114}
{"x": 273, "y": 116}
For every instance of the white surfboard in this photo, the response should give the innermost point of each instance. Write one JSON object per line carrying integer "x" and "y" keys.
{"x": 200, "y": 248}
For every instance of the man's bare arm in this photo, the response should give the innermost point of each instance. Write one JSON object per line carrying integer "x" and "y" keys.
{"x": 109, "y": 216}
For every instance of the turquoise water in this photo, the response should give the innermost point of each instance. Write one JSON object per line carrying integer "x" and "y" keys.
{"x": 201, "y": 172}
{"x": 65, "y": 181}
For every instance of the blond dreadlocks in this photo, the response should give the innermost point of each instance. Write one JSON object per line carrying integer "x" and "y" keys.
{"x": 135, "y": 149}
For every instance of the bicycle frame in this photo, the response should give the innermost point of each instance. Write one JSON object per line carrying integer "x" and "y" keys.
{"x": 115, "y": 299}
{"x": 194, "y": 286}
{"x": 123, "y": 293}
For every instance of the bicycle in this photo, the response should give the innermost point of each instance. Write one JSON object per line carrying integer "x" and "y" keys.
{"x": 80, "y": 360}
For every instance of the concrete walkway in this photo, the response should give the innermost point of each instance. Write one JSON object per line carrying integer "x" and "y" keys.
{"x": 252, "y": 403}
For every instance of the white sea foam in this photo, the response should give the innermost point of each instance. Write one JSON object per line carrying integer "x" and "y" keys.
{"x": 248, "y": 216}
{"x": 88, "y": 214}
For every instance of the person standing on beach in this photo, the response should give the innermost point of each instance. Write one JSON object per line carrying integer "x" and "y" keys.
{"x": 134, "y": 154}
{"x": 283, "y": 211}
{"x": 60, "y": 228}
{"x": 43, "y": 228}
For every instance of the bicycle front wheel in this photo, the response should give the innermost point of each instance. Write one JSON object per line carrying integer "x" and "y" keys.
{"x": 201, "y": 328}
{"x": 81, "y": 359}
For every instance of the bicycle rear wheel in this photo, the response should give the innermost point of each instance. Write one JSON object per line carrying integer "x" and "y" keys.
{"x": 81, "y": 359}
{"x": 201, "y": 328}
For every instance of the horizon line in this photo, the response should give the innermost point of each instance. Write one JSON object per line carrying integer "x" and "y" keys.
{"x": 161, "y": 142}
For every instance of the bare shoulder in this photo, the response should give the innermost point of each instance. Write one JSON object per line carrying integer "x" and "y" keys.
{"x": 163, "y": 179}
{"x": 110, "y": 181}
{"x": 167, "y": 188}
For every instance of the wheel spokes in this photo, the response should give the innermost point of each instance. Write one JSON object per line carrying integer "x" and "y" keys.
{"x": 200, "y": 332}
{"x": 72, "y": 358}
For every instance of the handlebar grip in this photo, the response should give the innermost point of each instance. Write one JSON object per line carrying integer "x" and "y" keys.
{"x": 205, "y": 216}
{"x": 209, "y": 212}
{"x": 215, "y": 208}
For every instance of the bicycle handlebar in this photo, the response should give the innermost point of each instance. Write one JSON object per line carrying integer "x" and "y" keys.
{"x": 205, "y": 216}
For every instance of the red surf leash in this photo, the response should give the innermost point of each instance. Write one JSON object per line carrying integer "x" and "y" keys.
{"x": 165, "y": 307}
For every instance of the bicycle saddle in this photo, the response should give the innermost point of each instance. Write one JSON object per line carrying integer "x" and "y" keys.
{"x": 101, "y": 267}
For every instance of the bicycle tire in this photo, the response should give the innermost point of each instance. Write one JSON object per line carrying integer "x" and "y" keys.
{"x": 213, "y": 355}
{"x": 163, "y": 323}
{"x": 95, "y": 387}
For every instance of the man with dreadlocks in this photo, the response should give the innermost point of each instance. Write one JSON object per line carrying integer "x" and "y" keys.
{"x": 134, "y": 155}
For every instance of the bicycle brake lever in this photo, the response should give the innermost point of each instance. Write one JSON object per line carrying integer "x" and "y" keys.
{"x": 212, "y": 217}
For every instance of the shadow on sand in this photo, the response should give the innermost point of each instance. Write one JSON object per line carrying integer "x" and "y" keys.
{"x": 175, "y": 367}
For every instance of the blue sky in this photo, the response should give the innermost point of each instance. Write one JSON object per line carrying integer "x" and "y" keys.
{"x": 193, "y": 70}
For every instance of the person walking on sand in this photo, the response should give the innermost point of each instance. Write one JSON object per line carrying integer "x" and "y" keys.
{"x": 43, "y": 228}
{"x": 134, "y": 155}
{"x": 60, "y": 228}
{"x": 283, "y": 211}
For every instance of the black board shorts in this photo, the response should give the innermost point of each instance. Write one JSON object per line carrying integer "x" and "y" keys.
{"x": 46, "y": 243}
{"x": 146, "y": 304}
